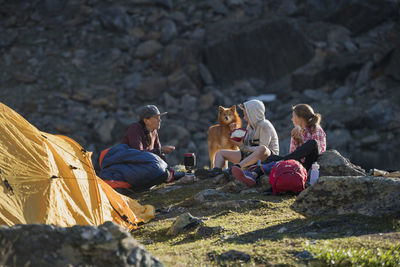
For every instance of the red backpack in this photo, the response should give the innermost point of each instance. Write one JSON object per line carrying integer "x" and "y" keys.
{"x": 288, "y": 175}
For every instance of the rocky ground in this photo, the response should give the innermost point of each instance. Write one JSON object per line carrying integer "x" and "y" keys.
{"x": 218, "y": 221}
{"x": 83, "y": 67}
{"x": 221, "y": 222}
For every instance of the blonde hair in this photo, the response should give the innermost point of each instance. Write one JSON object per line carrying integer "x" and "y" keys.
{"x": 306, "y": 112}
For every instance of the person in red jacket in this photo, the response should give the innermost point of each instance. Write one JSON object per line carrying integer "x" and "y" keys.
{"x": 143, "y": 134}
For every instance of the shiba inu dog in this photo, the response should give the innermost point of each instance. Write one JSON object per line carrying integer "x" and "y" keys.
{"x": 218, "y": 135}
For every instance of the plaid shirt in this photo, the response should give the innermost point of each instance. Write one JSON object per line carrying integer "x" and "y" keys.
{"x": 318, "y": 135}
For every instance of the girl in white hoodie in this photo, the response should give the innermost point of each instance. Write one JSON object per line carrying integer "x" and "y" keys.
{"x": 260, "y": 142}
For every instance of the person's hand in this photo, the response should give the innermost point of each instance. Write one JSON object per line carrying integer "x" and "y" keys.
{"x": 233, "y": 126}
{"x": 167, "y": 149}
{"x": 296, "y": 134}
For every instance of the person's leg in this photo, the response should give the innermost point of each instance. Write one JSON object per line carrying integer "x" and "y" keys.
{"x": 174, "y": 175}
{"x": 220, "y": 160}
{"x": 146, "y": 184}
{"x": 223, "y": 155}
{"x": 261, "y": 153}
{"x": 308, "y": 150}
{"x": 272, "y": 158}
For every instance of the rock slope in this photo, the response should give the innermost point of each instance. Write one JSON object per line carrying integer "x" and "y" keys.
{"x": 83, "y": 67}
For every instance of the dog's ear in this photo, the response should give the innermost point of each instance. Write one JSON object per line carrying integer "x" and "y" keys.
{"x": 221, "y": 108}
{"x": 233, "y": 108}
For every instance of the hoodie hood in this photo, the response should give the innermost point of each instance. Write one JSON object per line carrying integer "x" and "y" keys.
{"x": 255, "y": 110}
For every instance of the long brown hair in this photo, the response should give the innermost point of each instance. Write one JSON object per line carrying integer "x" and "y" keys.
{"x": 306, "y": 112}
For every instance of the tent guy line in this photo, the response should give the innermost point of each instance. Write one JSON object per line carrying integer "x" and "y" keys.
{"x": 84, "y": 152}
{"x": 7, "y": 185}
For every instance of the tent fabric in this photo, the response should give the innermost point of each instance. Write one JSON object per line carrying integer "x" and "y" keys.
{"x": 138, "y": 168}
{"x": 50, "y": 179}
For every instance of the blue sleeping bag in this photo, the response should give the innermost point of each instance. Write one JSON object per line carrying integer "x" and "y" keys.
{"x": 141, "y": 169}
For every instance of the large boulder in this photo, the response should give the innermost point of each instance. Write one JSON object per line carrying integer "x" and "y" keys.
{"x": 368, "y": 195}
{"x": 332, "y": 163}
{"x": 357, "y": 15}
{"x": 232, "y": 53}
{"x": 322, "y": 68}
{"x": 49, "y": 245}
{"x": 361, "y": 15}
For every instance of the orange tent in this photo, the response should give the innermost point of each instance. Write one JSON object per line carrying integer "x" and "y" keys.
{"x": 50, "y": 179}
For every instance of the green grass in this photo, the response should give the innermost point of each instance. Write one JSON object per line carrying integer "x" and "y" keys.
{"x": 336, "y": 255}
{"x": 270, "y": 233}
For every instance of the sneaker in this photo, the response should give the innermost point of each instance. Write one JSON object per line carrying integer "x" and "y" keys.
{"x": 207, "y": 173}
{"x": 266, "y": 168}
{"x": 244, "y": 176}
{"x": 253, "y": 168}
{"x": 170, "y": 175}
{"x": 174, "y": 175}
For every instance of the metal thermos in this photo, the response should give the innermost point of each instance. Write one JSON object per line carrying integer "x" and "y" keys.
{"x": 189, "y": 161}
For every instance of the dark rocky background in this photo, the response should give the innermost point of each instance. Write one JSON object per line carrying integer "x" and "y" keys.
{"x": 82, "y": 68}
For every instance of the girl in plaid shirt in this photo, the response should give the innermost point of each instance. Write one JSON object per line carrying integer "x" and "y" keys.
{"x": 307, "y": 127}
{"x": 308, "y": 138}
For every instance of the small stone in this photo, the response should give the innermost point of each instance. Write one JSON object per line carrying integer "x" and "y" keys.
{"x": 205, "y": 231}
{"x": 184, "y": 222}
{"x": 234, "y": 255}
{"x": 249, "y": 191}
{"x": 221, "y": 179}
{"x": 350, "y": 46}
{"x": 234, "y": 3}
{"x": 305, "y": 255}
{"x": 187, "y": 179}
{"x": 282, "y": 230}
{"x": 148, "y": 49}
{"x": 168, "y": 32}
{"x": 206, "y": 74}
{"x": 24, "y": 77}
{"x": 227, "y": 237}
{"x": 207, "y": 195}
{"x": 168, "y": 189}
{"x": 341, "y": 92}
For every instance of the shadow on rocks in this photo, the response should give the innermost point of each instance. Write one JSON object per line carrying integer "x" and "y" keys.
{"x": 320, "y": 228}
